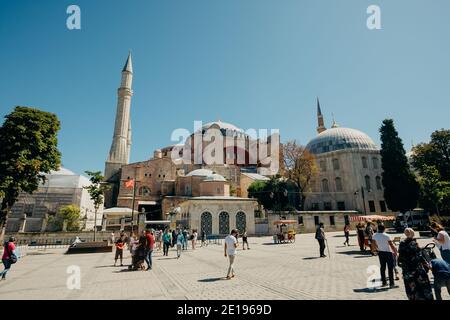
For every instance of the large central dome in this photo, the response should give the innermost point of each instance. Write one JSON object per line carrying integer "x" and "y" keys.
{"x": 338, "y": 138}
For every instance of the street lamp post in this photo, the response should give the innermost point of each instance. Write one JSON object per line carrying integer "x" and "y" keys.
{"x": 363, "y": 198}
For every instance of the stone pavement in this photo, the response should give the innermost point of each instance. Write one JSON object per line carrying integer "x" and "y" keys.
{"x": 267, "y": 271}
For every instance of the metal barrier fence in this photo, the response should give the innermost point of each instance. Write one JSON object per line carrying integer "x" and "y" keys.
{"x": 50, "y": 243}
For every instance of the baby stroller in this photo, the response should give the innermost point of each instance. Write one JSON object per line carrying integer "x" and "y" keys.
{"x": 137, "y": 261}
{"x": 428, "y": 252}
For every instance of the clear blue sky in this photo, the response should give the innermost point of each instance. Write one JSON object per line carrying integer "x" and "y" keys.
{"x": 254, "y": 63}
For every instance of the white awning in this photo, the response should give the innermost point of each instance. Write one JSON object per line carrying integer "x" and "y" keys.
{"x": 147, "y": 202}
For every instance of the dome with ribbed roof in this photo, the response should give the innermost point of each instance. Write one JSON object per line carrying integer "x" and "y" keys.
{"x": 337, "y": 138}
{"x": 215, "y": 177}
{"x": 200, "y": 173}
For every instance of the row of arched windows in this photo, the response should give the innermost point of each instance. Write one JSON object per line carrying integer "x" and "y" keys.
{"x": 339, "y": 186}
{"x": 224, "y": 222}
{"x": 337, "y": 166}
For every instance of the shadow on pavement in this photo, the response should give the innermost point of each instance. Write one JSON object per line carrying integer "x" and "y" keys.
{"x": 167, "y": 258}
{"x": 371, "y": 290}
{"x": 211, "y": 279}
{"x": 108, "y": 266}
{"x": 357, "y": 252}
{"x": 311, "y": 258}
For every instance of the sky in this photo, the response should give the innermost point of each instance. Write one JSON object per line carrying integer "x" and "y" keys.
{"x": 253, "y": 63}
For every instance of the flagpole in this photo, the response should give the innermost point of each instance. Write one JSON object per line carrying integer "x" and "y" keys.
{"x": 132, "y": 205}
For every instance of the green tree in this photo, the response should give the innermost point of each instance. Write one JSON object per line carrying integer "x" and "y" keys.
{"x": 28, "y": 144}
{"x": 70, "y": 215}
{"x": 436, "y": 153}
{"x": 96, "y": 191}
{"x": 275, "y": 194}
{"x": 401, "y": 190}
{"x": 299, "y": 167}
{"x": 434, "y": 193}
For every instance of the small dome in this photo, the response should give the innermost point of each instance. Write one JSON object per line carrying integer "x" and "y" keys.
{"x": 221, "y": 125}
{"x": 199, "y": 173}
{"x": 63, "y": 171}
{"x": 338, "y": 138}
{"x": 215, "y": 177}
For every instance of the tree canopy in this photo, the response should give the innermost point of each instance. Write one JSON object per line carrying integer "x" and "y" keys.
{"x": 28, "y": 144}
{"x": 401, "y": 189}
{"x": 435, "y": 153}
{"x": 276, "y": 194}
{"x": 299, "y": 167}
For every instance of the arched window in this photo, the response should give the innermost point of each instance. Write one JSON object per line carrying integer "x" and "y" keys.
{"x": 368, "y": 187}
{"x": 379, "y": 185}
{"x": 336, "y": 164}
{"x": 375, "y": 163}
{"x": 206, "y": 223}
{"x": 224, "y": 223}
{"x": 338, "y": 184}
{"x": 144, "y": 191}
{"x": 323, "y": 165}
{"x": 241, "y": 221}
{"x": 364, "y": 162}
{"x": 325, "y": 187}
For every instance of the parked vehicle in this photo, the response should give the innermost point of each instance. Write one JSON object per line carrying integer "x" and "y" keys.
{"x": 417, "y": 219}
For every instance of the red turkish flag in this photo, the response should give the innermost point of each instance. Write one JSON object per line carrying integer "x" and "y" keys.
{"x": 129, "y": 183}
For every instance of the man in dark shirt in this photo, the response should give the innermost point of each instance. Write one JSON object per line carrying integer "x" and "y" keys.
{"x": 441, "y": 273}
{"x": 320, "y": 236}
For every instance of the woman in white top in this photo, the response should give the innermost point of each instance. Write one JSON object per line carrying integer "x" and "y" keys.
{"x": 442, "y": 239}
{"x": 194, "y": 239}
{"x": 133, "y": 244}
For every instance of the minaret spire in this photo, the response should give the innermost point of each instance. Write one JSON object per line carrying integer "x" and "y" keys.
{"x": 119, "y": 153}
{"x": 321, "y": 127}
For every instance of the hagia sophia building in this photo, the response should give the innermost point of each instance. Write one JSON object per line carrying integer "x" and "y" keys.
{"x": 211, "y": 197}
{"x": 214, "y": 198}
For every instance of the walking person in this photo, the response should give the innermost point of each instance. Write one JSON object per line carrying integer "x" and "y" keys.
{"x": 245, "y": 240}
{"x": 133, "y": 244}
{"x": 120, "y": 244}
{"x": 159, "y": 239}
{"x": 442, "y": 239}
{"x": 230, "y": 252}
{"x": 320, "y": 237}
{"x": 9, "y": 256}
{"x": 369, "y": 235}
{"x": 180, "y": 242}
{"x": 203, "y": 238}
{"x": 361, "y": 237}
{"x": 174, "y": 238}
{"x": 167, "y": 240}
{"x": 412, "y": 262}
{"x": 112, "y": 238}
{"x": 441, "y": 274}
{"x": 185, "y": 238}
{"x": 149, "y": 245}
{"x": 382, "y": 243}
{"x": 194, "y": 238}
{"x": 347, "y": 234}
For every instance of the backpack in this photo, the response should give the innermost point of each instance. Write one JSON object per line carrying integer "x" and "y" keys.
{"x": 12, "y": 256}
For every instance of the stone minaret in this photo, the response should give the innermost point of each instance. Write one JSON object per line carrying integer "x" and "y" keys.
{"x": 321, "y": 127}
{"x": 119, "y": 153}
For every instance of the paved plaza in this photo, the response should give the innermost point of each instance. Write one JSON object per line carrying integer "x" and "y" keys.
{"x": 266, "y": 272}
